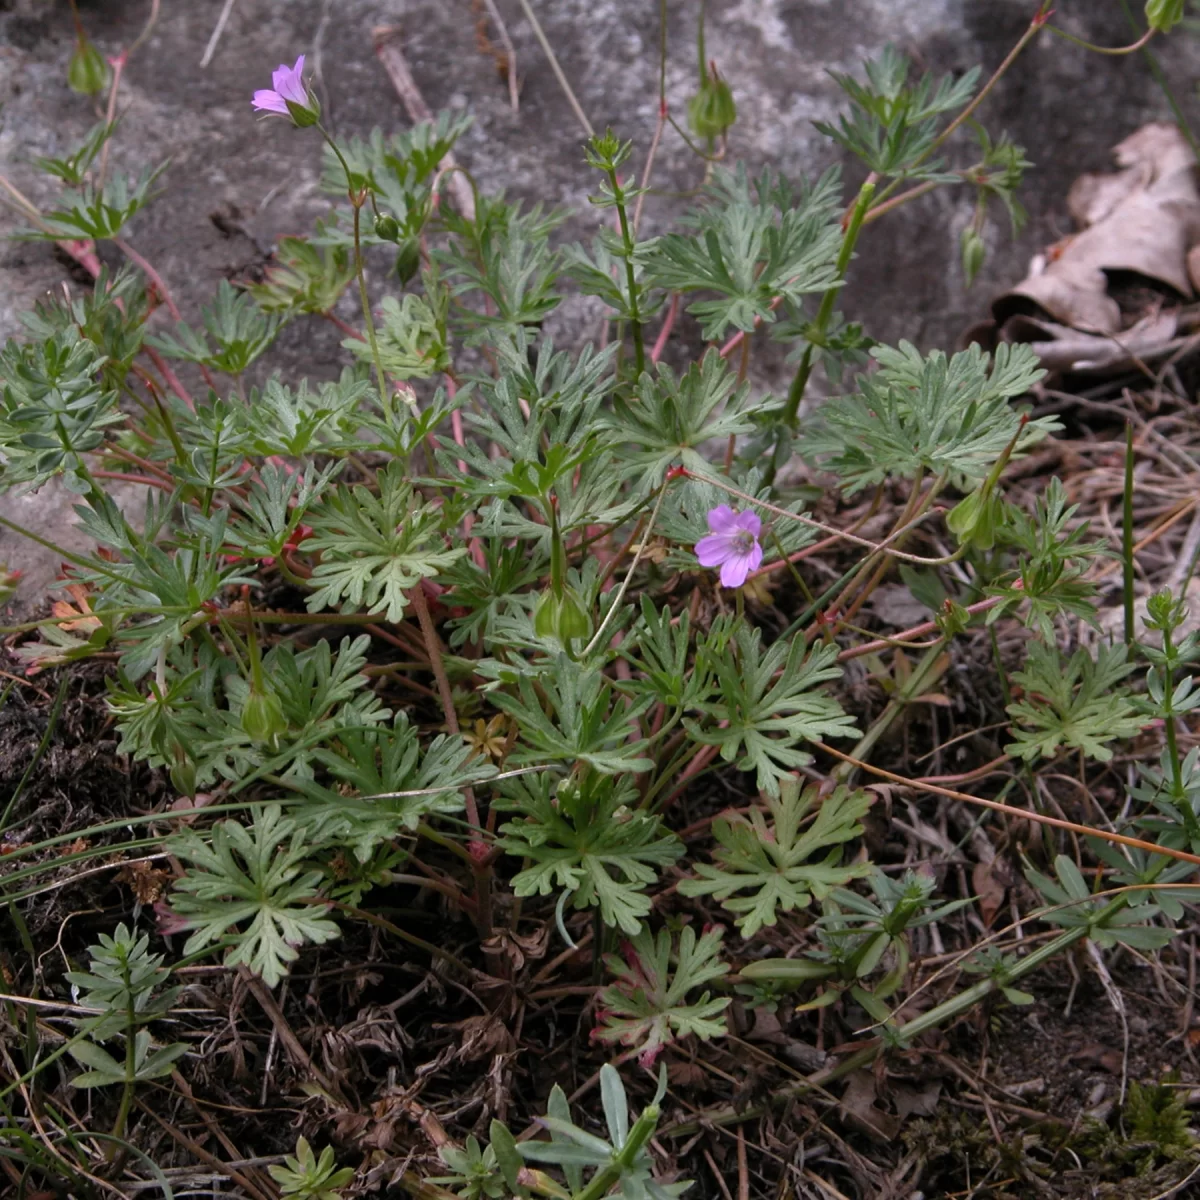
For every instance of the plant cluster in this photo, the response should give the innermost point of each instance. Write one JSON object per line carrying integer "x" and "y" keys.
{"x": 454, "y": 620}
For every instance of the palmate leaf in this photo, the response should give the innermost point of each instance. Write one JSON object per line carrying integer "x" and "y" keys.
{"x": 892, "y": 125}
{"x": 368, "y": 764}
{"x": 505, "y": 254}
{"x": 98, "y": 214}
{"x": 752, "y": 244}
{"x": 672, "y": 417}
{"x": 773, "y": 862}
{"x": 1076, "y": 706}
{"x": 411, "y": 337}
{"x": 648, "y": 1006}
{"x": 587, "y": 722}
{"x": 320, "y": 694}
{"x": 767, "y": 702}
{"x": 588, "y": 843}
{"x": 949, "y": 416}
{"x": 303, "y": 278}
{"x": 252, "y": 885}
{"x": 375, "y": 547}
{"x": 241, "y": 330}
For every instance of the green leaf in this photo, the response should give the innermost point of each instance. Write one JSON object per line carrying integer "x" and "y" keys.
{"x": 773, "y": 862}
{"x": 948, "y": 416}
{"x": 303, "y": 278}
{"x": 672, "y": 417}
{"x": 752, "y": 245}
{"x": 892, "y": 124}
{"x": 588, "y": 841}
{"x": 375, "y": 547}
{"x": 768, "y": 704}
{"x": 252, "y": 885}
{"x": 1074, "y": 706}
{"x": 587, "y": 720}
{"x": 648, "y": 1006}
{"x": 96, "y": 213}
{"x": 241, "y": 330}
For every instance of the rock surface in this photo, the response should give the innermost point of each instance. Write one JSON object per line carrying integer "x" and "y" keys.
{"x": 258, "y": 179}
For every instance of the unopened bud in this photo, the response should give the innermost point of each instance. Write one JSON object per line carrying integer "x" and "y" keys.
{"x": 387, "y": 227}
{"x": 973, "y": 253}
{"x": 262, "y": 716}
{"x": 1162, "y": 15}
{"x": 561, "y": 617}
{"x": 976, "y": 518}
{"x": 711, "y": 111}
{"x": 408, "y": 260}
{"x": 87, "y": 71}
{"x": 183, "y": 776}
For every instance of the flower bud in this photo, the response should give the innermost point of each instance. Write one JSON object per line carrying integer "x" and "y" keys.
{"x": 562, "y": 617}
{"x": 973, "y": 253}
{"x": 711, "y": 111}
{"x": 387, "y": 227}
{"x": 976, "y": 518}
{"x": 408, "y": 260}
{"x": 1161, "y": 15}
{"x": 87, "y": 71}
{"x": 183, "y": 776}
{"x": 262, "y": 716}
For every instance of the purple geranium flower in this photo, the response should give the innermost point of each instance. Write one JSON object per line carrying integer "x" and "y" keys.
{"x": 288, "y": 89}
{"x": 732, "y": 545}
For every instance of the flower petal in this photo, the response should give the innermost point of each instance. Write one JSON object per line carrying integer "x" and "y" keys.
{"x": 266, "y": 100}
{"x": 735, "y": 570}
{"x": 755, "y": 557}
{"x": 750, "y": 521}
{"x": 292, "y": 87}
{"x": 713, "y": 550}
{"x": 722, "y": 519}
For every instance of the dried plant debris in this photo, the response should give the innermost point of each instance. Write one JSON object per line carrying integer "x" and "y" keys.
{"x": 1117, "y": 291}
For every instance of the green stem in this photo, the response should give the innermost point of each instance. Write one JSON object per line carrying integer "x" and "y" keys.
{"x": 357, "y": 199}
{"x": 629, "y": 247}
{"x": 800, "y": 380}
{"x": 1113, "y": 51}
{"x": 623, "y": 1160}
{"x": 1178, "y": 792}
{"x": 118, "y": 1129}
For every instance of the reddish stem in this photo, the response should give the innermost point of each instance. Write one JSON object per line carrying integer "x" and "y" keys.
{"x": 660, "y": 343}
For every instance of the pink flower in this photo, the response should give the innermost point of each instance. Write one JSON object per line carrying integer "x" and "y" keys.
{"x": 289, "y": 97}
{"x": 732, "y": 545}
